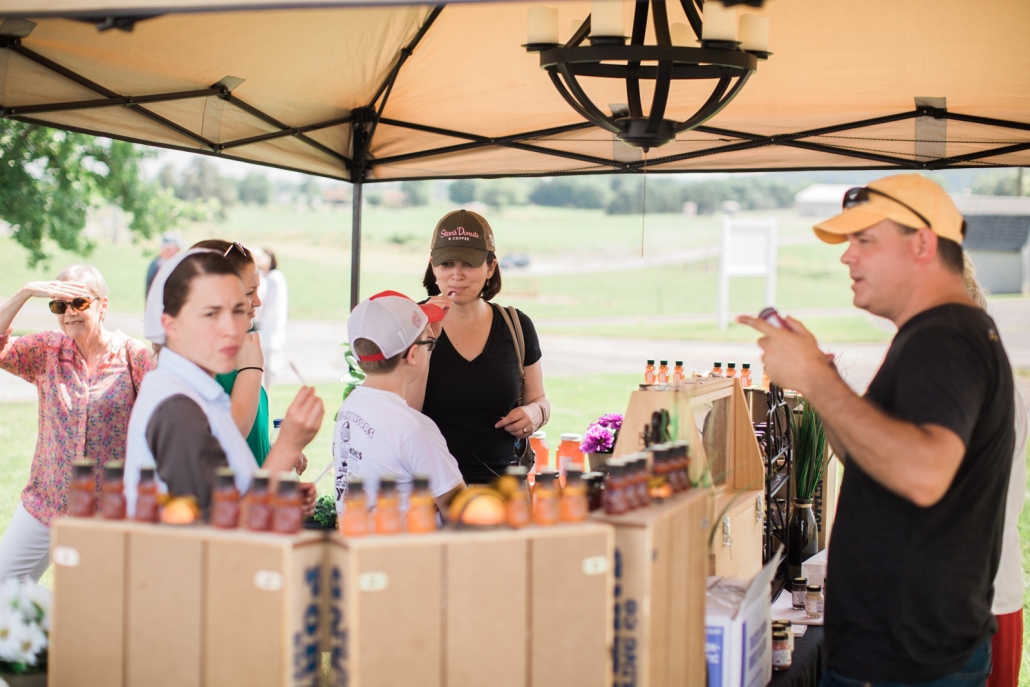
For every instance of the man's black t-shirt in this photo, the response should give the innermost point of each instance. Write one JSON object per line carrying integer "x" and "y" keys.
{"x": 466, "y": 398}
{"x": 911, "y": 593}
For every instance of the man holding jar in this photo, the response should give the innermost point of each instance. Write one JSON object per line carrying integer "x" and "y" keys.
{"x": 918, "y": 528}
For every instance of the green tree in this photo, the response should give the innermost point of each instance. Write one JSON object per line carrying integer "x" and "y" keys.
{"x": 501, "y": 192}
{"x": 417, "y": 192}
{"x": 49, "y": 180}
{"x": 999, "y": 184}
{"x": 463, "y": 191}
{"x": 255, "y": 188}
{"x": 201, "y": 184}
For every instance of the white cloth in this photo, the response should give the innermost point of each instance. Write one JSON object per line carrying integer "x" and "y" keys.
{"x": 1008, "y": 583}
{"x": 25, "y": 547}
{"x": 174, "y": 376}
{"x": 274, "y": 312}
{"x": 152, "y": 327}
{"x": 377, "y": 433}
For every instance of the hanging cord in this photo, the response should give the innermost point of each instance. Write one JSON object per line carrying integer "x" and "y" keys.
{"x": 643, "y": 206}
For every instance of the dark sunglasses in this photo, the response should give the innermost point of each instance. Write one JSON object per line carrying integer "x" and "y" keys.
{"x": 80, "y": 304}
{"x": 860, "y": 195}
{"x": 243, "y": 251}
{"x": 430, "y": 344}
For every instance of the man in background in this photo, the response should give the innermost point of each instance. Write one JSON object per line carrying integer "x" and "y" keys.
{"x": 171, "y": 243}
{"x": 918, "y": 531}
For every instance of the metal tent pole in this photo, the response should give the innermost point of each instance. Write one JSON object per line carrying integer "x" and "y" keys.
{"x": 355, "y": 245}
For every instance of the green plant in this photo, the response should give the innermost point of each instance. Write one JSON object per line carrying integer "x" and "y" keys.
{"x": 355, "y": 375}
{"x": 809, "y": 449}
{"x": 325, "y": 511}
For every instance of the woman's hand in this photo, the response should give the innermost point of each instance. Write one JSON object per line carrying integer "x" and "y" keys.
{"x": 302, "y": 464}
{"x": 444, "y": 303}
{"x": 56, "y": 290}
{"x": 308, "y": 496}
{"x": 250, "y": 354}
{"x": 522, "y": 421}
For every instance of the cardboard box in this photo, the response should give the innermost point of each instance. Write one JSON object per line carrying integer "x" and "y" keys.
{"x": 660, "y": 566}
{"x": 464, "y": 608}
{"x": 738, "y": 621}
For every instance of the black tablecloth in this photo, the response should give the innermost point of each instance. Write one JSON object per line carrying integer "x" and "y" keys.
{"x": 808, "y": 663}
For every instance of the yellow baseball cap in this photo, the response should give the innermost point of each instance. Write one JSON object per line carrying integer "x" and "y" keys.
{"x": 908, "y": 199}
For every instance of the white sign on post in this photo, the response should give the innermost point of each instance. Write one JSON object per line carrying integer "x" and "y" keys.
{"x": 748, "y": 250}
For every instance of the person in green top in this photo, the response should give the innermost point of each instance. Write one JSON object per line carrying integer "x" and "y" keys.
{"x": 249, "y": 400}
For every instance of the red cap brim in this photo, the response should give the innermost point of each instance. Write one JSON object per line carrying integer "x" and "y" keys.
{"x": 434, "y": 312}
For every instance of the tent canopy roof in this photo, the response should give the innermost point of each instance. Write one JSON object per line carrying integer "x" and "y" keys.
{"x": 302, "y": 88}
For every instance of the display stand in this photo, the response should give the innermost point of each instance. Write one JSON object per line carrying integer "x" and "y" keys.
{"x": 779, "y": 468}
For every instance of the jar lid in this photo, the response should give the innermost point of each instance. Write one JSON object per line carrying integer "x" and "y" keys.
{"x": 114, "y": 469}
{"x": 814, "y": 588}
{"x": 546, "y": 478}
{"x": 663, "y": 362}
{"x": 573, "y": 477}
{"x": 387, "y": 484}
{"x": 782, "y": 623}
{"x": 801, "y": 580}
{"x": 731, "y": 365}
{"x": 146, "y": 475}
{"x": 718, "y": 364}
{"x": 747, "y": 366}
{"x": 225, "y": 477}
{"x": 83, "y": 468}
{"x": 650, "y": 362}
{"x": 780, "y": 635}
{"x": 679, "y": 363}
{"x": 287, "y": 483}
{"x": 538, "y": 435}
{"x": 572, "y": 437}
{"x": 355, "y": 485}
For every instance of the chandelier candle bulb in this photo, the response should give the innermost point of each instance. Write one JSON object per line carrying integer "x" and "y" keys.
{"x": 543, "y": 26}
{"x": 719, "y": 22}
{"x": 607, "y": 18}
{"x": 683, "y": 36}
{"x": 754, "y": 33}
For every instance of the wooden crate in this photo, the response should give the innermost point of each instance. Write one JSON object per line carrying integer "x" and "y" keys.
{"x": 661, "y": 566}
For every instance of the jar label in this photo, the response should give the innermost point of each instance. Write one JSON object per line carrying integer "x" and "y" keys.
{"x": 373, "y": 581}
{"x": 268, "y": 580}
{"x": 595, "y": 565}
{"x": 67, "y": 556}
{"x": 781, "y": 658}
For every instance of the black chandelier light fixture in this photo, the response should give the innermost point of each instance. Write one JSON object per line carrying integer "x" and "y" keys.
{"x": 713, "y": 47}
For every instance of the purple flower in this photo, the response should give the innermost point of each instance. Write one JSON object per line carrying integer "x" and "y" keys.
{"x": 612, "y": 421}
{"x": 598, "y": 439}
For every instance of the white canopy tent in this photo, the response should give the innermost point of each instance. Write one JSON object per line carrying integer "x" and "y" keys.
{"x": 373, "y": 92}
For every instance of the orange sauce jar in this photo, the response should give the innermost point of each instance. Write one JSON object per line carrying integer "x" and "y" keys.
{"x": 112, "y": 499}
{"x": 287, "y": 518}
{"x": 147, "y": 508}
{"x": 569, "y": 457}
{"x": 388, "y": 507}
{"x": 421, "y": 507}
{"x": 354, "y": 521}
{"x": 257, "y": 504}
{"x": 538, "y": 442}
{"x": 82, "y": 498}
{"x": 225, "y": 501}
{"x": 574, "y": 504}
{"x": 517, "y": 503}
{"x": 545, "y": 499}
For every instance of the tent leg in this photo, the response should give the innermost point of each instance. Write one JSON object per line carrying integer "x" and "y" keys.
{"x": 355, "y": 247}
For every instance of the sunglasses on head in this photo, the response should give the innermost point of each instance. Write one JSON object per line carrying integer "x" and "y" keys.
{"x": 860, "y": 195}
{"x": 243, "y": 251}
{"x": 80, "y": 304}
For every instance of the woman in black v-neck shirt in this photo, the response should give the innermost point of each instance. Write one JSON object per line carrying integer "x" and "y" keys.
{"x": 472, "y": 386}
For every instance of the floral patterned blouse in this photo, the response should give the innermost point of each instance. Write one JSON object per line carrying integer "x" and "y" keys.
{"x": 80, "y": 416}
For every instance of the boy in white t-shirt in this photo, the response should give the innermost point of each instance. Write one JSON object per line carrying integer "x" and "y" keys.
{"x": 377, "y": 433}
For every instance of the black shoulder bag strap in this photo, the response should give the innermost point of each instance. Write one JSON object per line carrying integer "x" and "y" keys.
{"x": 524, "y": 454}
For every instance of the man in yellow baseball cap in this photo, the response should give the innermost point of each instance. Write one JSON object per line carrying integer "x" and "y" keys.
{"x": 918, "y": 530}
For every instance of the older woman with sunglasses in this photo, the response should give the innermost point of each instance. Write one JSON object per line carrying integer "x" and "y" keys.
{"x": 87, "y": 379}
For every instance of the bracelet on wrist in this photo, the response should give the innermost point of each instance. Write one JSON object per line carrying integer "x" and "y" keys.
{"x": 259, "y": 369}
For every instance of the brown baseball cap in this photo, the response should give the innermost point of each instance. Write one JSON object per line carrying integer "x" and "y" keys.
{"x": 911, "y": 200}
{"x": 462, "y": 235}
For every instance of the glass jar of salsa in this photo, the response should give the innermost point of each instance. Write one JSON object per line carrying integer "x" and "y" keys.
{"x": 112, "y": 500}
{"x": 147, "y": 509}
{"x": 257, "y": 504}
{"x": 574, "y": 504}
{"x": 82, "y": 497}
{"x": 354, "y": 521}
{"x": 287, "y": 518}
{"x": 594, "y": 482}
{"x": 225, "y": 501}
{"x": 545, "y": 499}
{"x": 614, "y": 488}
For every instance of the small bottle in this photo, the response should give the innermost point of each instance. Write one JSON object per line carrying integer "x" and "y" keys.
{"x": 677, "y": 372}
{"x": 287, "y": 518}
{"x": 814, "y": 601}
{"x": 518, "y": 501}
{"x": 649, "y": 373}
{"x": 614, "y": 493}
{"x": 546, "y": 507}
{"x": 745, "y": 375}
{"x": 112, "y": 500}
{"x": 82, "y": 499}
{"x": 257, "y": 504}
{"x": 781, "y": 656}
{"x": 788, "y": 627}
{"x": 663, "y": 372}
{"x": 388, "y": 507}
{"x": 594, "y": 482}
{"x": 574, "y": 504}
{"x": 276, "y": 426}
{"x": 147, "y": 509}
{"x": 421, "y": 507}
{"x": 354, "y": 522}
{"x": 771, "y": 316}
{"x": 538, "y": 441}
{"x": 731, "y": 369}
{"x": 643, "y": 479}
{"x": 659, "y": 483}
{"x": 798, "y": 588}
{"x": 569, "y": 457}
{"x": 716, "y": 370}
{"x": 225, "y": 501}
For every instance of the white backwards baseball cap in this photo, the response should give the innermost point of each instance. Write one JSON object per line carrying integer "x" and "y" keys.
{"x": 391, "y": 321}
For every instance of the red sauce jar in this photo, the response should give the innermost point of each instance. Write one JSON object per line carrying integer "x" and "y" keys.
{"x": 225, "y": 501}
{"x": 112, "y": 499}
{"x": 287, "y": 518}
{"x": 257, "y": 504}
{"x": 614, "y": 489}
{"x": 147, "y": 509}
{"x": 82, "y": 501}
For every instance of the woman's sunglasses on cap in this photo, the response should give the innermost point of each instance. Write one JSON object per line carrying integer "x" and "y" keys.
{"x": 860, "y": 195}
{"x": 80, "y": 304}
